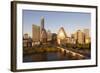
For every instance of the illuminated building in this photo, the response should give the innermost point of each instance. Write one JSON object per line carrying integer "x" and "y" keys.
{"x": 87, "y": 37}
{"x": 61, "y": 36}
{"x": 39, "y": 34}
{"x": 80, "y": 37}
{"x": 35, "y": 34}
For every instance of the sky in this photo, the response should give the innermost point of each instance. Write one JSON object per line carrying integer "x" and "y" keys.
{"x": 70, "y": 21}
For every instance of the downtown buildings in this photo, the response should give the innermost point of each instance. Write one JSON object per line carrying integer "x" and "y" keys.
{"x": 87, "y": 36}
{"x": 79, "y": 37}
{"x": 82, "y": 36}
{"x": 39, "y": 33}
{"x": 63, "y": 38}
{"x": 41, "y": 36}
{"x": 27, "y": 41}
{"x": 35, "y": 34}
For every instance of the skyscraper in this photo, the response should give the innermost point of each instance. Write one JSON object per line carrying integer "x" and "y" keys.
{"x": 74, "y": 36}
{"x": 42, "y": 23}
{"x": 35, "y": 34}
{"x": 39, "y": 33}
{"x": 43, "y": 33}
{"x": 80, "y": 37}
{"x": 87, "y": 36}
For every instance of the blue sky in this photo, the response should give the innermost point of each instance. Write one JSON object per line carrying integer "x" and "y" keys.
{"x": 71, "y": 21}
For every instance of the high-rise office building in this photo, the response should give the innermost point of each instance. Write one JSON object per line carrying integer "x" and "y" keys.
{"x": 42, "y": 23}
{"x": 75, "y": 35}
{"x": 80, "y": 37}
{"x": 39, "y": 33}
{"x": 87, "y": 36}
{"x": 35, "y": 34}
{"x": 43, "y": 33}
{"x": 43, "y": 37}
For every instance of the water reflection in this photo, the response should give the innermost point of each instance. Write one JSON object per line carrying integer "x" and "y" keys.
{"x": 52, "y": 56}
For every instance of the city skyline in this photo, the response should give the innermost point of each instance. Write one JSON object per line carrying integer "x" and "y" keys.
{"x": 71, "y": 21}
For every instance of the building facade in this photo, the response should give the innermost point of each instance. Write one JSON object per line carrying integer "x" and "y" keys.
{"x": 27, "y": 41}
{"x": 87, "y": 36}
{"x": 35, "y": 34}
{"x": 80, "y": 37}
{"x": 61, "y": 36}
{"x": 49, "y": 36}
{"x": 43, "y": 33}
{"x": 39, "y": 34}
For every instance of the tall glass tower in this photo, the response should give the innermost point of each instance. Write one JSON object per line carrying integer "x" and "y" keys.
{"x": 42, "y": 22}
{"x": 43, "y": 34}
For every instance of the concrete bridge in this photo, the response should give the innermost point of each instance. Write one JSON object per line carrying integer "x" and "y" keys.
{"x": 74, "y": 54}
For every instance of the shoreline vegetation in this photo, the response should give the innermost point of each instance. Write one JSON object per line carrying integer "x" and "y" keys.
{"x": 53, "y": 48}
{"x": 39, "y": 52}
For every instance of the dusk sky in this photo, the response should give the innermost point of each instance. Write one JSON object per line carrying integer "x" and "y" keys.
{"x": 70, "y": 21}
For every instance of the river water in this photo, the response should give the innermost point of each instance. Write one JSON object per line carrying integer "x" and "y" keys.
{"x": 52, "y": 56}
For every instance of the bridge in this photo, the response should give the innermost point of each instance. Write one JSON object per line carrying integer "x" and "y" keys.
{"x": 73, "y": 54}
